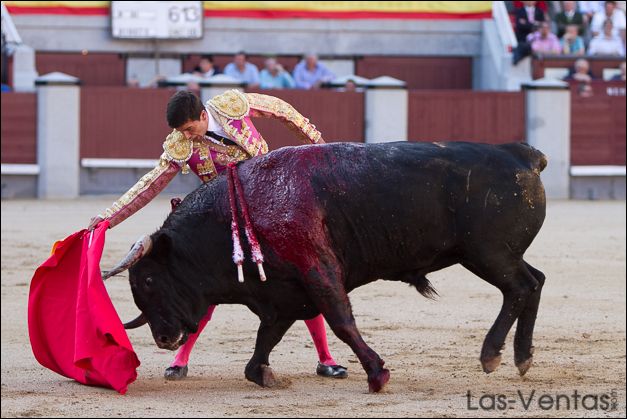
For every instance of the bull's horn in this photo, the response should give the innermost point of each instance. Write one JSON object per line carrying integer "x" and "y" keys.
{"x": 136, "y": 322}
{"x": 140, "y": 249}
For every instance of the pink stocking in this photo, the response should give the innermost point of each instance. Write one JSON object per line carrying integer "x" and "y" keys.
{"x": 182, "y": 356}
{"x": 319, "y": 335}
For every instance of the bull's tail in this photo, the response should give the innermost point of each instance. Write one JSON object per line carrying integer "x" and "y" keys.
{"x": 422, "y": 285}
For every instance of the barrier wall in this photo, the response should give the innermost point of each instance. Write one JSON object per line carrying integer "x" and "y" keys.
{"x": 598, "y": 125}
{"x": 489, "y": 117}
{"x": 19, "y": 128}
{"x": 120, "y": 122}
{"x": 125, "y": 123}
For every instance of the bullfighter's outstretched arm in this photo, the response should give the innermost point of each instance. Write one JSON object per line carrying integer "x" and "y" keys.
{"x": 177, "y": 150}
{"x": 272, "y": 107}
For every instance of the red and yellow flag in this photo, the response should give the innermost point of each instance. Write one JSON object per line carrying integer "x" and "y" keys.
{"x": 287, "y": 9}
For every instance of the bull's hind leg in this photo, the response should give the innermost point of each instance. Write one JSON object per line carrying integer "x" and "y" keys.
{"x": 516, "y": 285}
{"x": 269, "y": 335}
{"x": 326, "y": 288}
{"x": 523, "y": 341}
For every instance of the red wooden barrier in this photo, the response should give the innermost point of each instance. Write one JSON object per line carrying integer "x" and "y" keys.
{"x": 490, "y": 117}
{"x": 19, "y": 128}
{"x": 598, "y": 125}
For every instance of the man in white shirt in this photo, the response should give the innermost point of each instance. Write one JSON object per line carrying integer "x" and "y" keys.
{"x": 607, "y": 43}
{"x": 616, "y": 15}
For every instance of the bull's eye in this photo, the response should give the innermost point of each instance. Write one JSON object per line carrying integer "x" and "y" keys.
{"x": 148, "y": 280}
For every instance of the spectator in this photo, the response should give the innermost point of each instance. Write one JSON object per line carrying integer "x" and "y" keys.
{"x": 572, "y": 43}
{"x": 6, "y": 88}
{"x": 526, "y": 19}
{"x": 544, "y": 42}
{"x": 607, "y": 43}
{"x": 350, "y": 86}
{"x": 589, "y": 8}
{"x": 205, "y": 67}
{"x": 616, "y": 16}
{"x": 542, "y": 5}
{"x": 310, "y": 74}
{"x": 243, "y": 71}
{"x": 273, "y": 76}
{"x": 621, "y": 76}
{"x": 580, "y": 72}
{"x": 569, "y": 16}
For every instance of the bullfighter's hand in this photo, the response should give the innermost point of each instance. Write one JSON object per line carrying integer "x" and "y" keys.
{"x": 94, "y": 222}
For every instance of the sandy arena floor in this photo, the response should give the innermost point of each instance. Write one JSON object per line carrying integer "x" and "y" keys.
{"x": 431, "y": 348}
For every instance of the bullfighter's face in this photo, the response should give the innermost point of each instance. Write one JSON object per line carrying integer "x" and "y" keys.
{"x": 195, "y": 130}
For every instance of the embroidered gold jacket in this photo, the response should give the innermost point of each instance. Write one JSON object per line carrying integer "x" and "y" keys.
{"x": 207, "y": 158}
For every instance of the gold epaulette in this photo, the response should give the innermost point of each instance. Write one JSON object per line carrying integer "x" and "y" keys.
{"x": 232, "y": 105}
{"x": 178, "y": 148}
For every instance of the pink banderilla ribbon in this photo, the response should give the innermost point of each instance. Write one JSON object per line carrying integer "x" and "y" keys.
{"x": 236, "y": 191}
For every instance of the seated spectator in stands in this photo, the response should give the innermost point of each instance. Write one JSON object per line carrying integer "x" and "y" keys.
{"x": 621, "y": 76}
{"x": 569, "y": 16}
{"x": 589, "y": 8}
{"x": 607, "y": 43}
{"x": 543, "y": 41}
{"x": 542, "y": 5}
{"x": 580, "y": 72}
{"x": 274, "y": 76}
{"x": 6, "y": 88}
{"x": 242, "y": 70}
{"x": 526, "y": 19}
{"x": 310, "y": 74}
{"x": 205, "y": 67}
{"x": 615, "y": 15}
{"x": 572, "y": 43}
{"x": 350, "y": 86}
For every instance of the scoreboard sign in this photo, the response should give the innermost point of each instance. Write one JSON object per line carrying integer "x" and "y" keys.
{"x": 156, "y": 19}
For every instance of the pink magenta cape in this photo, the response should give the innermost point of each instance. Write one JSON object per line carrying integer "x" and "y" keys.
{"x": 74, "y": 328}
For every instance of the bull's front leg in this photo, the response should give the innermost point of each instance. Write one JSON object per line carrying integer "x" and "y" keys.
{"x": 326, "y": 288}
{"x": 268, "y": 336}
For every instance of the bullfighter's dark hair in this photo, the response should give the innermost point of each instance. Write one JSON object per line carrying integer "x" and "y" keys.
{"x": 182, "y": 107}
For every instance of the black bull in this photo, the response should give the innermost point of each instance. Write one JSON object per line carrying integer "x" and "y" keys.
{"x": 331, "y": 218}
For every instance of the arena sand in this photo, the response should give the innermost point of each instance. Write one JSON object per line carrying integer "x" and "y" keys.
{"x": 431, "y": 347}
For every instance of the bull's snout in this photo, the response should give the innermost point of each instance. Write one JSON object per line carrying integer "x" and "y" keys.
{"x": 171, "y": 343}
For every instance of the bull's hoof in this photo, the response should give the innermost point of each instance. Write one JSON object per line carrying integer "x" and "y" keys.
{"x": 332, "y": 371}
{"x": 376, "y": 384}
{"x": 175, "y": 373}
{"x": 490, "y": 364}
{"x": 524, "y": 366}
{"x": 524, "y": 360}
{"x": 267, "y": 376}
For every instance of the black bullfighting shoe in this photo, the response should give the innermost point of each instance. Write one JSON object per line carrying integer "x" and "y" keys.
{"x": 333, "y": 371}
{"x": 175, "y": 373}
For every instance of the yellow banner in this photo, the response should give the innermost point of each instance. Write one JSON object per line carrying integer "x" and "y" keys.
{"x": 286, "y": 9}
{"x": 370, "y": 6}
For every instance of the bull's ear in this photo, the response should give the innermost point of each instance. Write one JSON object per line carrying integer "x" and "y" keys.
{"x": 161, "y": 248}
